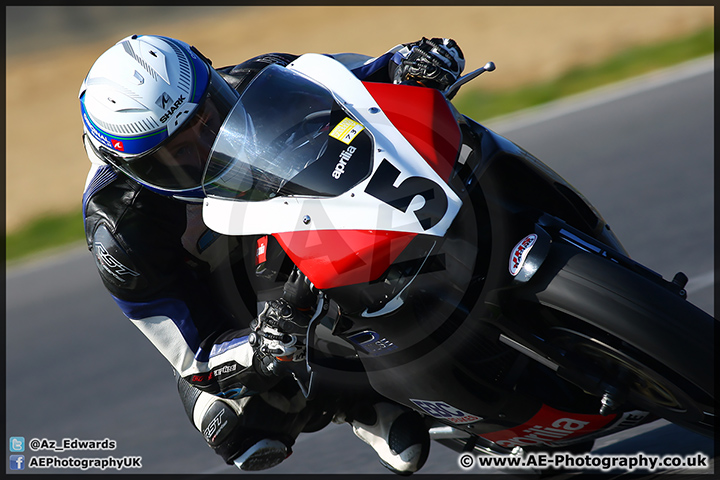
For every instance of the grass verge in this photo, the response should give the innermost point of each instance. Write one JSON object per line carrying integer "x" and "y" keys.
{"x": 45, "y": 233}
{"x": 481, "y": 104}
{"x": 57, "y": 230}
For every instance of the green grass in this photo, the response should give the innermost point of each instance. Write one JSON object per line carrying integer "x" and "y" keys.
{"x": 53, "y": 231}
{"x": 482, "y": 104}
{"x": 47, "y": 232}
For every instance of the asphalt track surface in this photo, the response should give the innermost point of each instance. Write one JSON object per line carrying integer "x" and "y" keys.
{"x": 641, "y": 152}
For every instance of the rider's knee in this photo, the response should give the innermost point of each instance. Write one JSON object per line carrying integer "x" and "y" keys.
{"x": 254, "y": 433}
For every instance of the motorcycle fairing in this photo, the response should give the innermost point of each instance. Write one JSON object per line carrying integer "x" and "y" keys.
{"x": 423, "y": 117}
{"x": 549, "y": 427}
{"x": 443, "y": 410}
{"x": 360, "y": 232}
{"x": 331, "y": 258}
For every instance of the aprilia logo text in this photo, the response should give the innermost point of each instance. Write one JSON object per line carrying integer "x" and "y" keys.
{"x": 344, "y": 159}
{"x": 538, "y": 434}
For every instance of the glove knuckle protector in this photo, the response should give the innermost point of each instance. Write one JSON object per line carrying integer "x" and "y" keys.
{"x": 435, "y": 63}
{"x": 278, "y": 335}
{"x": 299, "y": 291}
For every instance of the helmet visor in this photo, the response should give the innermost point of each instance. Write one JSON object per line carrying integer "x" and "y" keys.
{"x": 179, "y": 162}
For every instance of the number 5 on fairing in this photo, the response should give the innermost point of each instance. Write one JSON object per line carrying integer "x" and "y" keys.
{"x": 381, "y": 186}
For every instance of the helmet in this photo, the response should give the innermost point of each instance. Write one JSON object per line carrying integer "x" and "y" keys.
{"x": 151, "y": 107}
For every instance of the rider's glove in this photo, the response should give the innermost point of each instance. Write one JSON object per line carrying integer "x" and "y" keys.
{"x": 435, "y": 63}
{"x": 299, "y": 292}
{"x": 278, "y": 336}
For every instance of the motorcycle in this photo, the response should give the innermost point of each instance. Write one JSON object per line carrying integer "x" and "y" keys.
{"x": 458, "y": 275}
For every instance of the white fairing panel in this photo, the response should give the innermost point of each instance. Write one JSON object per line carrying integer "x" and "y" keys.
{"x": 355, "y": 209}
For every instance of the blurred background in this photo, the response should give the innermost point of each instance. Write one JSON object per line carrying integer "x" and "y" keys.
{"x": 646, "y": 161}
{"x": 50, "y": 49}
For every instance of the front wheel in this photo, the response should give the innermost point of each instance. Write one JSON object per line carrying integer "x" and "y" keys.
{"x": 651, "y": 346}
{"x": 636, "y": 380}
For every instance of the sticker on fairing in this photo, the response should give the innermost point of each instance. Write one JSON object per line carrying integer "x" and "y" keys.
{"x": 550, "y": 427}
{"x": 261, "y": 252}
{"x": 445, "y": 411}
{"x": 520, "y": 253}
{"x": 346, "y": 130}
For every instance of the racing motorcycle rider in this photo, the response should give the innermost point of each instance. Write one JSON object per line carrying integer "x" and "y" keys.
{"x": 151, "y": 109}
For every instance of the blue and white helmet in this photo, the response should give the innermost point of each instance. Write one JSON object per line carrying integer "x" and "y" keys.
{"x": 152, "y": 107}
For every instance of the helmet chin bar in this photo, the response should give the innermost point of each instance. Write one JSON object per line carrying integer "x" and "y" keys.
{"x": 107, "y": 157}
{"x": 110, "y": 158}
{"x": 93, "y": 155}
{"x": 186, "y": 199}
{"x": 102, "y": 156}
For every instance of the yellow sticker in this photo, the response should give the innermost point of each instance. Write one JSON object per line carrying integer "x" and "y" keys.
{"x": 347, "y": 130}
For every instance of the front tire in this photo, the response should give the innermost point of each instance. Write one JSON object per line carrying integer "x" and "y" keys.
{"x": 637, "y": 380}
{"x": 654, "y": 347}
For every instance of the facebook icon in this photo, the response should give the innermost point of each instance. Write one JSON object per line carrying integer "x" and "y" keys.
{"x": 17, "y": 462}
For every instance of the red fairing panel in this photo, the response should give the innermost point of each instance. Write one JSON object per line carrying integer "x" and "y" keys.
{"x": 424, "y": 118}
{"x": 547, "y": 426}
{"x": 335, "y": 258}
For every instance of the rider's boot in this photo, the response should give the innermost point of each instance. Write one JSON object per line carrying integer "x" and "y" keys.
{"x": 398, "y": 435}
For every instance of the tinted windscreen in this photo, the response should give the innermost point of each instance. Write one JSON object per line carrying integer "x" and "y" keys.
{"x": 287, "y": 136}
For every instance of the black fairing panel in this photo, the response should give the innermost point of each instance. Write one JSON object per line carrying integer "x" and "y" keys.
{"x": 441, "y": 343}
{"x": 516, "y": 179}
